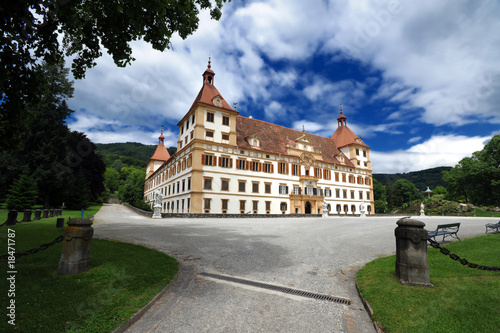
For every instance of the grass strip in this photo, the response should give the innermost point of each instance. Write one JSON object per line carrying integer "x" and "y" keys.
{"x": 122, "y": 279}
{"x": 462, "y": 300}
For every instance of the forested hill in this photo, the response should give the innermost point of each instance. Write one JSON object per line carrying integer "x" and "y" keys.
{"x": 421, "y": 179}
{"x": 130, "y": 153}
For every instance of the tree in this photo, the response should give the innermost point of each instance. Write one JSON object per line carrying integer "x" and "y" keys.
{"x": 23, "y": 193}
{"x": 378, "y": 191}
{"x": 111, "y": 179}
{"x": 476, "y": 179}
{"x": 132, "y": 190}
{"x": 403, "y": 191}
{"x": 31, "y": 31}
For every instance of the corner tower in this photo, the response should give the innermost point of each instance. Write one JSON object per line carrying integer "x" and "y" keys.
{"x": 160, "y": 156}
{"x": 351, "y": 144}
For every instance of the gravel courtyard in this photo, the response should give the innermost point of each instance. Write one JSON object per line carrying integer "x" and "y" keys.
{"x": 319, "y": 255}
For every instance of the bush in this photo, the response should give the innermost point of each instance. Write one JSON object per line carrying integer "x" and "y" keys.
{"x": 141, "y": 204}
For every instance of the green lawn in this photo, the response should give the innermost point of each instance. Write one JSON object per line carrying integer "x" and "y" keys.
{"x": 462, "y": 300}
{"x": 122, "y": 279}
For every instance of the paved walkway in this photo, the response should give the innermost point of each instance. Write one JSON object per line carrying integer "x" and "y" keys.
{"x": 319, "y": 255}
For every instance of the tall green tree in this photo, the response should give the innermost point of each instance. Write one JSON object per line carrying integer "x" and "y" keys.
{"x": 45, "y": 31}
{"x": 23, "y": 193}
{"x": 132, "y": 190}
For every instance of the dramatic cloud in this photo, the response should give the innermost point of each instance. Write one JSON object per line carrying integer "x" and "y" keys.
{"x": 404, "y": 71}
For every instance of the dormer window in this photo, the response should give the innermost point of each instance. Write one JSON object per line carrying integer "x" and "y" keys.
{"x": 255, "y": 142}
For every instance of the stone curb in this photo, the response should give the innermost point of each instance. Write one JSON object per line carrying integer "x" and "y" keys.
{"x": 164, "y": 301}
{"x": 367, "y": 306}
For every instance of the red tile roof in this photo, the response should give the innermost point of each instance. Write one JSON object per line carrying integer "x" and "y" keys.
{"x": 161, "y": 153}
{"x": 273, "y": 139}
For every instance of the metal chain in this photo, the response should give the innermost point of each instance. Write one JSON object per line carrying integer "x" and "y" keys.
{"x": 35, "y": 250}
{"x": 464, "y": 261}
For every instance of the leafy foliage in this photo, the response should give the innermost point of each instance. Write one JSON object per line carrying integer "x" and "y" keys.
{"x": 30, "y": 31}
{"x": 476, "y": 179}
{"x": 52, "y": 154}
{"x": 402, "y": 192}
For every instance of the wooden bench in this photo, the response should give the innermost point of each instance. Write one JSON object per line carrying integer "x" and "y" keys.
{"x": 445, "y": 230}
{"x": 493, "y": 226}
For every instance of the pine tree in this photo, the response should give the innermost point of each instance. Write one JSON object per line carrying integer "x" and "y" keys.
{"x": 23, "y": 193}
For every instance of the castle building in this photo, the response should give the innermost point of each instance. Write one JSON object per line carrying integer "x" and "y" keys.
{"x": 229, "y": 164}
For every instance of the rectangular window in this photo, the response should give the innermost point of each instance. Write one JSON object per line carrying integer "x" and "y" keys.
{"x": 297, "y": 190}
{"x": 268, "y": 187}
{"x": 317, "y": 172}
{"x": 364, "y": 153}
{"x": 210, "y": 117}
{"x": 357, "y": 152}
{"x": 242, "y": 164}
{"x": 360, "y": 195}
{"x": 207, "y": 159}
{"x": 187, "y": 124}
{"x": 209, "y": 135}
{"x": 283, "y": 189}
{"x": 268, "y": 207}
{"x": 191, "y": 135}
{"x": 178, "y": 187}
{"x": 255, "y": 166}
{"x": 255, "y": 187}
{"x": 207, "y": 205}
{"x": 224, "y": 185}
{"x": 183, "y": 185}
{"x": 345, "y": 194}
{"x": 182, "y": 130}
{"x": 255, "y": 207}
{"x": 336, "y": 176}
{"x": 344, "y": 177}
{"x": 225, "y": 204}
{"x": 352, "y": 194}
{"x": 189, "y": 161}
{"x": 283, "y": 206}
{"x": 207, "y": 183}
{"x": 241, "y": 186}
{"x": 225, "y": 137}
{"x": 283, "y": 168}
{"x": 188, "y": 203}
{"x": 295, "y": 170}
{"x": 189, "y": 184}
{"x": 224, "y": 162}
{"x": 186, "y": 140}
{"x": 268, "y": 167}
{"x": 242, "y": 206}
{"x": 192, "y": 118}
{"x": 308, "y": 190}
{"x": 225, "y": 120}
{"x": 327, "y": 174}
{"x": 367, "y": 195}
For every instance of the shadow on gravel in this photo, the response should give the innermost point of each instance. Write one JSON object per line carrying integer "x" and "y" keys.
{"x": 216, "y": 247}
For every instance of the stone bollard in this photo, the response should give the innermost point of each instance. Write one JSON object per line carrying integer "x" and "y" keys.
{"x": 59, "y": 212}
{"x": 51, "y": 213}
{"x": 412, "y": 266}
{"x": 60, "y": 222}
{"x": 38, "y": 214}
{"x": 75, "y": 257}
{"x": 27, "y": 215}
{"x": 12, "y": 217}
{"x": 45, "y": 213}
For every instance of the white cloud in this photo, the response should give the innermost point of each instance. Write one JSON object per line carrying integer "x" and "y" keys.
{"x": 439, "y": 150}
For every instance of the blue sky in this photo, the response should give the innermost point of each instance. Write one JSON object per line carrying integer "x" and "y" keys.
{"x": 418, "y": 81}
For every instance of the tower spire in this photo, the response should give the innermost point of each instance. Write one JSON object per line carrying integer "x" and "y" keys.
{"x": 161, "y": 138}
{"x": 208, "y": 75}
{"x": 342, "y": 120}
